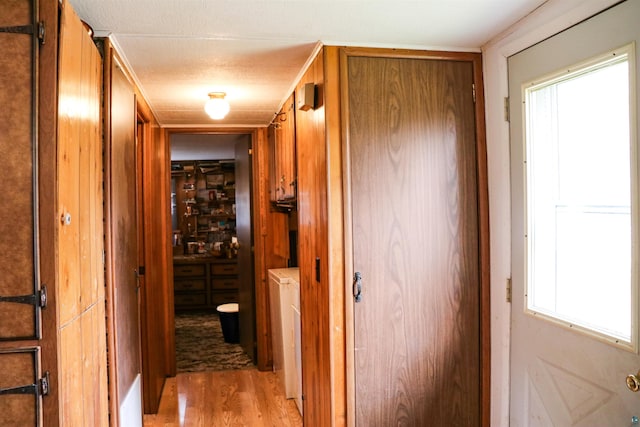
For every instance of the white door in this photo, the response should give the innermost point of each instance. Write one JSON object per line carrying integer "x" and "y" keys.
{"x": 561, "y": 373}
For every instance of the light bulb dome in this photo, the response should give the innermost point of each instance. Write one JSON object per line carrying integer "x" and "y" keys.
{"x": 216, "y": 106}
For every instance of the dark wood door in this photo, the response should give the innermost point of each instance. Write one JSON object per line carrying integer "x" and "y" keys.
{"x": 246, "y": 290}
{"x": 20, "y": 315}
{"x": 122, "y": 259}
{"x": 412, "y": 150}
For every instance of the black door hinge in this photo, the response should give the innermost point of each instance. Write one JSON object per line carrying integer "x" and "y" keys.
{"x": 39, "y": 299}
{"x": 40, "y": 388}
{"x": 27, "y": 29}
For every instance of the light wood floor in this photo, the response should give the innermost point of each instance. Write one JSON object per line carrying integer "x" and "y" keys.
{"x": 239, "y": 398}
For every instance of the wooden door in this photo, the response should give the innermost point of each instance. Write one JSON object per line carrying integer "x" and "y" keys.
{"x": 561, "y": 374}
{"x": 80, "y": 267}
{"x": 20, "y": 311}
{"x": 246, "y": 289}
{"x": 19, "y": 318}
{"x": 415, "y": 231}
{"x": 122, "y": 253}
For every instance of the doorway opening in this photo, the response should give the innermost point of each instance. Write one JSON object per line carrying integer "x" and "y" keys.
{"x": 213, "y": 281}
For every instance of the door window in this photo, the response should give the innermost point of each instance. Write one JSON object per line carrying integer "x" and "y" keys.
{"x": 579, "y": 202}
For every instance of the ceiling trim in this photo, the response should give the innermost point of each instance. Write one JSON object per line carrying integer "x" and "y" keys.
{"x": 129, "y": 69}
{"x": 305, "y": 66}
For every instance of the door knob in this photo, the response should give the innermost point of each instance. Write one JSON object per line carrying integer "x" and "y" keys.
{"x": 633, "y": 382}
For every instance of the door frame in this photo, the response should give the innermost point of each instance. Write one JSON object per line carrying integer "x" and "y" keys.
{"x": 258, "y": 143}
{"x": 547, "y": 20}
{"x": 483, "y": 218}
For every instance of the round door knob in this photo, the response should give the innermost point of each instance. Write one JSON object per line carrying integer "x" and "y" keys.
{"x": 633, "y": 383}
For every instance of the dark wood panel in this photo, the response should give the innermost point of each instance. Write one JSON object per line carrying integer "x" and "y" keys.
{"x": 223, "y": 297}
{"x": 17, "y": 207}
{"x": 189, "y": 270}
{"x": 415, "y": 240}
{"x": 224, "y": 269}
{"x": 19, "y": 368}
{"x": 224, "y": 283}
{"x": 190, "y": 285}
{"x": 244, "y": 268}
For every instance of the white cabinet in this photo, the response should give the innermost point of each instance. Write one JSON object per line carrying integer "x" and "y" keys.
{"x": 284, "y": 299}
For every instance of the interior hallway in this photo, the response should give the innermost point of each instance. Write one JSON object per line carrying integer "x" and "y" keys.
{"x": 245, "y": 397}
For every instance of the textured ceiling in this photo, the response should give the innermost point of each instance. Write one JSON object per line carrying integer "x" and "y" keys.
{"x": 180, "y": 50}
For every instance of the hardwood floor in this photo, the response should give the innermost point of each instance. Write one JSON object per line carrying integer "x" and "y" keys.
{"x": 238, "y": 398}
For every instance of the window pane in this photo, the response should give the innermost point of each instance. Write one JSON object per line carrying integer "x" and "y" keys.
{"x": 579, "y": 198}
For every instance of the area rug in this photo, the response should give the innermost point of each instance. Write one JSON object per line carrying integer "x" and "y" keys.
{"x": 200, "y": 345}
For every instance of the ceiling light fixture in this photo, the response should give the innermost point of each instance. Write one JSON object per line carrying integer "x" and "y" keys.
{"x": 216, "y": 106}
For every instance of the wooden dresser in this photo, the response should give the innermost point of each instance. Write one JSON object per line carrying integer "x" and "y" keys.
{"x": 204, "y": 282}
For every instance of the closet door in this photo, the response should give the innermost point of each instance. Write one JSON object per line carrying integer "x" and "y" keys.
{"x": 21, "y": 296}
{"x": 413, "y": 167}
{"x": 79, "y": 238}
{"x": 122, "y": 250}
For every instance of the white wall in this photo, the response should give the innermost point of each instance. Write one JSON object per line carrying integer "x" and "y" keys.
{"x": 131, "y": 406}
{"x": 551, "y": 18}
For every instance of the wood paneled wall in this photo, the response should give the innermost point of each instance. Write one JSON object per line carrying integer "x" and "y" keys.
{"x": 271, "y": 239}
{"x": 314, "y": 261}
{"x": 80, "y": 270}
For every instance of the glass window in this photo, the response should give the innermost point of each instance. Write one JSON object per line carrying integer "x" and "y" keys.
{"x": 579, "y": 189}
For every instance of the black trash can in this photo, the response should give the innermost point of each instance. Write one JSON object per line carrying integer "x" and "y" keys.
{"x": 229, "y": 322}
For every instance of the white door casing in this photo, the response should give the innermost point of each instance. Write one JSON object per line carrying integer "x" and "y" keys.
{"x": 560, "y": 377}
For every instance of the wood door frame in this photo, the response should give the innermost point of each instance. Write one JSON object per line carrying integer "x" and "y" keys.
{"x": 258, "y": 142}
{"x": 114, "y": 409}
{"x": 483, "y": 217}
{"x": 47, "y": 203}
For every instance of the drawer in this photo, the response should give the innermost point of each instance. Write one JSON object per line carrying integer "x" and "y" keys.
{"x": 224, "y": 269}
{"x": 190, "y": 299}
{"x": 224, "y": 284}
{"x": 218, "y": 298}
{"x": 189, "y": 285}
{"x": 188, "y": 270}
